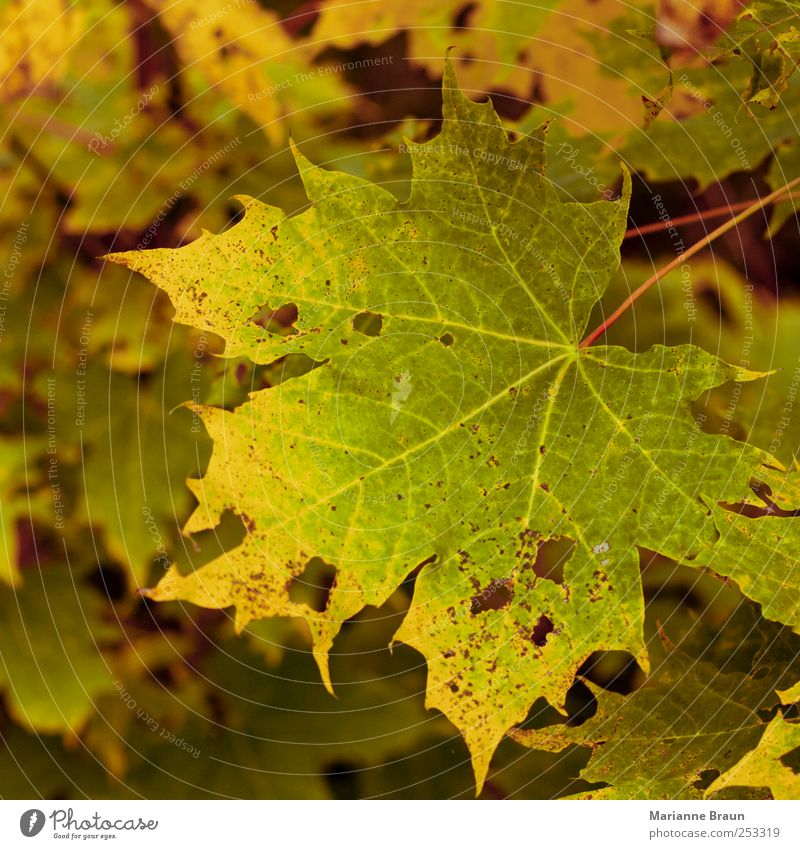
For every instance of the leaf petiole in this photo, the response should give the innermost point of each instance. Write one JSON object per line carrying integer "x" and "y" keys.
{"x": 679, "y": 260}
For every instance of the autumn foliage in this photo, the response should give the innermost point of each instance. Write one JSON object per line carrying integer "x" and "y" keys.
{"x": 325, "y": 374}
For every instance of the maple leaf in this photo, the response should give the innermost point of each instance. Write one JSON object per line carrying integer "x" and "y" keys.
{"x": 475, "y": 294}
{"x": 767, "y": 36}
{"x": 244, "y": 50}
{"x": 687, "y": 719}
{"x": 503, "y": 30}
{"x": 764, "y": 766}
{"x": 726, "y": 110}
{"x": 497, "y": 47}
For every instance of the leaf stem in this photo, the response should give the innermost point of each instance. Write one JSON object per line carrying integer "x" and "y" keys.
{"x": 701, "y": 215}
{"x": 679, "y": 260}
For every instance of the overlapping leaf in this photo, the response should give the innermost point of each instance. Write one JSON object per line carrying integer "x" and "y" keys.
{"x": 245, "y": 51}
{"x": 764, "y": 766}
{"x": 729, "y": 112}
{"x": 688, "y": 720}
{"x": 32, "y": 55}
{"x": 504, "y": 30}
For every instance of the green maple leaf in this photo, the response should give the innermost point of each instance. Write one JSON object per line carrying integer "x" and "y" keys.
{"x": 689, "y": 718}
{"x": 765, "y": 765}
{"x": 452, "y": 420}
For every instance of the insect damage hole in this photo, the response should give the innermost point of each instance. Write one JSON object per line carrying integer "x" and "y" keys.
{"x": 541, "y": 630}
{"x": 494, "y": 596}
{"x": 313, "y": 585}
{"x": 368, "y": 323}
{"x": 551, "y": 555}
{"x": 280, "y": 322}
{"x": 613, "y": 670}
{"x": 705, "y": 779}
{"x": 759, "y": 511}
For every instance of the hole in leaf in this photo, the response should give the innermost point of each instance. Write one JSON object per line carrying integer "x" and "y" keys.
{"x": 279, "y": 322}
{"x": 234, "y": 215}
{"x": 541, "y": 630}
{"x": 447, "y": 339}
{"x": 313, "y": 585}
{"x": 542, "y": 714}
{"x": 408, "y": 585}
{"x": 613, "y": 670}
{"x": 756, "y": 511}
{"x": 551, "y": 556}
{"x": 204, "y": 546}
{"x": 495, "y": 596}
{"x": 767, "y": 714}
{"x": 792, "y": 712}
{"x": 292, "y": 365}
{"x": 706, "y": 778}
{"x": 579, "y": 703}
{"x": 368, "y": 323}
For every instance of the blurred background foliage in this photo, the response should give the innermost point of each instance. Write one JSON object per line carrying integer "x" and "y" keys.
{"x": 132, "y": 125}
